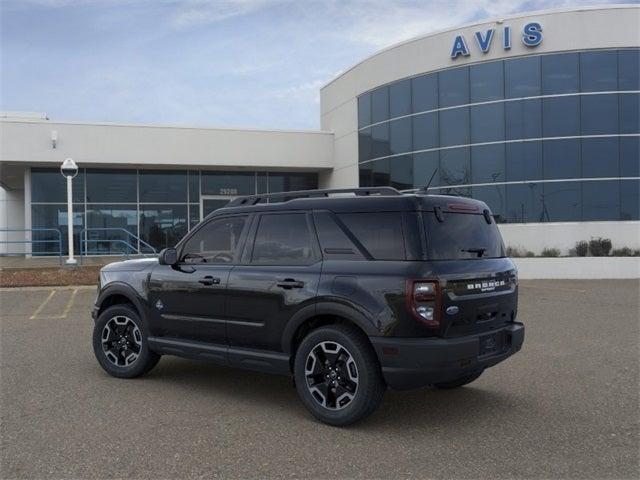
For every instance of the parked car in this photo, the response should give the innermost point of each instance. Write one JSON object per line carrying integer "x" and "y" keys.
{"x": 347, "y": 291}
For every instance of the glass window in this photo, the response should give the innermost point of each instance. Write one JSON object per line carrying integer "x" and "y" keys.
{"x": 364, "y": 110}
{"x": 380, "y": 141}
{"x": 487, "y": 81}
{"x": 228, "y": 183}
{"x": 55, "y": 217}
{"x": 487, "y": 123}
{"x": 600, "y": 157}
{"x": 562, "y": 202}
{"x": 629, "y": 70}
{"x": 380, "y": 174}
{"x": 630, "y": 199}
{"x": 400, "y": 98}
{"x": 629, "y": 113}
{"x": 163, "y": 226}
{"x": 424, "y": 166}
{"x": 290, "y": 182}
{"x": 386, "y": 241}
{"x": 601, "y": 200}
{"x": 487, "y": 164}
{"x": 380, "y": 105}
{"x": 49, "y": 186}
{"x": 522, "y": 77}
{"x": 524, "y": 203}
{"x": 194, "y": 186}
{"x": 262, "y": 183}
{"x": 111, "y": 186}
{"x": 630, "y": 156}
{"x": 523, "y": 119}
{"x": 335, "y": 243}
{"x": 599, "y": 71}
{"x": 194, "y": 215}
{"x": 453, "y": 87}
{"x": 364, "y": 145}
{"x": 364, "y": 173}
{"x": 560, "y": 73}
{"x": 424, "y": 93}
{"x": 113, "y": 222}
{"x": 283, "y": 240}
{"x": 400, "y": 133}
{"x": 599, "y": 114}
{"x": 561, "y": 159}
{"x": 523, "y": 161}
{"x": 561, "y": 116}
{"x": 456, "y": 191}
{"x": 163, "y": 186}
{"x": 454, "y": 127}
{"x": 215, "y": 242}
{"x": 494, "y": 197}
{"x": 425, "y": 131}
{"x": 401, "y": 172}
{"x": 455, "y": 166}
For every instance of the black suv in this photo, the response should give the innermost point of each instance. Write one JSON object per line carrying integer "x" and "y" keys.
{"x": 347, "y": 291}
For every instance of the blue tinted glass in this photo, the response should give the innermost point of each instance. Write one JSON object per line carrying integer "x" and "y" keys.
{"x": 424, "y": 166}
{"x": 52, "y": 216}
{"x": 522, "y": 77}
{"x": 194, "y": 186}
{"x": 400, "y": 98}
{"x": 380, "y": 173}
{"x": 364, "y": 110}
{"x": 494, "y": 197}
{"x": 600, "y": 157}
{"x": 487, "y": 81}
{"x": 424, "y": 92}
{"x": 454, "y": 87}
{"x": 629, "y": 70}
{"x": 630, "y": 199}
{"x": 365, "y": 175}
{"x": 601, "y": 200}
{"x": 524, "y": 203}
{"x": 630, "y": 156}
{"x": 163, "y": 226}
{"x": 228, "y": 183}
{"x": 111, "y": 186}
{"x": 194, "y": 215}
{"x": 49, "y": 186}
{"x": 163, "y": 186}
{"x": 289, "y": 182}
{"x": 599, "y": 71}
{"x": 364, "y": 144}
{"x": 523, "y": 119}
{"x": 400, "y": 135}
{"x": 117, "y": 219}
{"x": 561, "y": 159}
{"x": 561, "y": 116}
{"x": 562, "y": 202}
{"x": 523, "y": 161}
{"x": 380, "y": 141}
{"x": 599, "y": 114}
{"x": 629, "y": 113}
{"x": 560, "y": 73}
{"x": 455, "y": 166}
{"x": 401, "y": 172}
{"x": 425, "y": 131}
{"x": 380, "y": 105}
{"x": 454, "y": 127}
{"x": 487, "y": 123}
{"x": 487, "y": 164}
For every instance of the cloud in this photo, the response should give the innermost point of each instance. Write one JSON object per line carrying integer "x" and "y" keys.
{"x": 191, "y": 13}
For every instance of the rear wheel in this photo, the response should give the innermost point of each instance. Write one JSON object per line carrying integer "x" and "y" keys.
{"x": 337, "y": 375}
{"x": 459, "y": 382}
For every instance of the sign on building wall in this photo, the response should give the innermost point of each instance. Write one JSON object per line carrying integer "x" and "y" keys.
{"x": 531, "y": 36}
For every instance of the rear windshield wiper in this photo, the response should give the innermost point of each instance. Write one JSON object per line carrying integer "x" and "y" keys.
{"x": 478, "y": 251}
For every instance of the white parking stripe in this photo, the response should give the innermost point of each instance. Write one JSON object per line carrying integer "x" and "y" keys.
{"x": 42, "y": 305}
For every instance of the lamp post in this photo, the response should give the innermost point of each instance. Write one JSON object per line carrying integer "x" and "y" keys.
{"x": 69, "y": 169}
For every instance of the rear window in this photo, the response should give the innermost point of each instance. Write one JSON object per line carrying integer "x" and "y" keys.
{"x": 379, "y": 233}
{"x": 462, "y": 236}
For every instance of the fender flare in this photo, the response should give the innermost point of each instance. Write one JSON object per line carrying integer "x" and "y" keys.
{"x": 127, "y": 291}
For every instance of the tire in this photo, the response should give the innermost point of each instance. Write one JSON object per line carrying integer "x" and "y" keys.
{"x": 120, "y": 343}
{"x": 459, "y": 382}
{"x": 346, "y": 389}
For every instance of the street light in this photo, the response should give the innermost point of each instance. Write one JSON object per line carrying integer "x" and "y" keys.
{"x": 69, "y": 169}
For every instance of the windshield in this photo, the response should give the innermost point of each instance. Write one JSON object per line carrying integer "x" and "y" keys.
{"x": 462, "y": 236}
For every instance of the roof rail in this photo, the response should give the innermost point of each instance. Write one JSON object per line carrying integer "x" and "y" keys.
{"x": 360, "y": 192}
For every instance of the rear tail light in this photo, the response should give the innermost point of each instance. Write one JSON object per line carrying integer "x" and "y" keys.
{"x": 423, "y": 301}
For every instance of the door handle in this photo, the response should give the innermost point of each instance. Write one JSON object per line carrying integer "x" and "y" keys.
{"x": 289, "y": 283}
{"x": 209, "y": 280}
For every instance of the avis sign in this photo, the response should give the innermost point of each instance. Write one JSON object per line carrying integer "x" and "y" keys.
{"x": 531, "y": 37}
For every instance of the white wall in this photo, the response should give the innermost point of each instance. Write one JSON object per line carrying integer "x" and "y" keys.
{"x": 578, "y": 268}
{"x": 11, "y": 216}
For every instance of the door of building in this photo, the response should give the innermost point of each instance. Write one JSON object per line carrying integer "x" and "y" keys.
{"x": 210, "y": 203}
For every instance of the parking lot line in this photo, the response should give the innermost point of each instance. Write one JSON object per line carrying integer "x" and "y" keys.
{"x": 69, "y": 303}
{"x": 42, "y": 305}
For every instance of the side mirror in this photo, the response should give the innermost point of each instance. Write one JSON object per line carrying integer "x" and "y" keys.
{"x": 168, "y": 256}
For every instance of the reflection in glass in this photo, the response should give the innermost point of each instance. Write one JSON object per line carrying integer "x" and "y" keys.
{"x": 380, "y": 174}
{"x": 600, "y": 157}
{"x": 523, "y": 161}
{"x": 112, "y": 222}
{"x": 289, "y": 182}
{"x": 49, "y": 186}
{"x": 629, "y": 69}
{"x": 522, "y": 77}
{"x": 400, "y": 98}
{"x": 524, "y": 203}
{"x": 380, "y": 141}
{"x": 364, "y": 110}
{"x": 630, "y": 199}
{"x": 487, "y": 123}
{"x": 453, "y": 87}
{"x": 194, "y": 186}
{"x": 454, "y": 127}
{"x": 365, "y": 145}
{"x": 163, "y": 186}
{"x": 630, "y": 156}
{"x": 487, "y": 164}
{"x": 455, "y": 166}
{"x": 629, "y": 113}
{"x": 424, "y": 166}
{"x": 561, "y": 159}
{"x": 111, "y": 186}
{"x": 598, "y": 71}
{"x": 401, "y": 172}
{"x": 425, "y": 131}
{"x": 599, "y": 114}
{"x": 494, "y": 197}
{"x": 523, "y": 119}
{"x": 487, "y": 81}
{"x": 424, "y": 92}
{"x": 380, "y": 105}
{"x": 163, "y": 226}
{"x": 601, "y": 200}
{"x": 228, "y": 183}
{"x": 54, "y": 216}
{"x": 561, "y": 116}
{"x": 561, "y": 202}
{"x": 560, "y": 73}
{"x": 400, "y": 133}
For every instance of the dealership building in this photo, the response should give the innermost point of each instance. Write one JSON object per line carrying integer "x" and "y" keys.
{"x": 537, "y": 115}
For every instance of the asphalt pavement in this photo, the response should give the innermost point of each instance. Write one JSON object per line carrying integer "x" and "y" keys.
{"x": 566, "y": 406}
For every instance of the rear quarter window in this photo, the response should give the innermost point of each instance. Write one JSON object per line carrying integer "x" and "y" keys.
{"x": 381, "y": 234}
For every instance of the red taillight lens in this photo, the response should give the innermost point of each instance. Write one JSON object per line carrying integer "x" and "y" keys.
{"x": 423, "y": 298}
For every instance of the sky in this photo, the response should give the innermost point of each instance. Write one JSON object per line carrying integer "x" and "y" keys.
{"x": 219, "y": 63}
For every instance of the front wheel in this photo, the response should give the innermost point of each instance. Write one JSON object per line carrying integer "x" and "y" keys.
{"x": 337, "y": 375}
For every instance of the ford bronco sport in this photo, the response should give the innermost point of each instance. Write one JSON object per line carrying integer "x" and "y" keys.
{"x": 348, "y": 292}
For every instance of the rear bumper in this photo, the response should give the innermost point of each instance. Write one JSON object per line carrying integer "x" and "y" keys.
{"x": 416, "y": 362}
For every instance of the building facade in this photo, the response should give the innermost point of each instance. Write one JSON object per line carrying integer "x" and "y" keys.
{"x": 537, "y": 115}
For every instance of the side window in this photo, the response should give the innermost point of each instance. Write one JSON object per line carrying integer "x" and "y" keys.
{"x": 283, "y": 239}
{"x": 380, "y": 233}
{"x": 335, "y": 244}
{"x": 216, "y": 242}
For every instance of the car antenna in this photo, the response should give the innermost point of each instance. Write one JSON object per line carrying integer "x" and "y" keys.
{"x": 426, "y": 187}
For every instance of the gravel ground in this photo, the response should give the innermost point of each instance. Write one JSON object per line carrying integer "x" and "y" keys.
{"x": 566, "y": 406}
